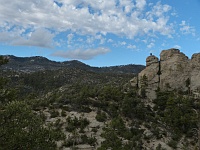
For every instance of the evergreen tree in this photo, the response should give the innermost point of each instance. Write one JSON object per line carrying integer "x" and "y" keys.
{"x": 20, "y": 127}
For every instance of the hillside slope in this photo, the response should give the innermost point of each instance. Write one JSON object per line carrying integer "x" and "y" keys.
{"x": 37, "y": 63}
{"x": 96, "y": 110}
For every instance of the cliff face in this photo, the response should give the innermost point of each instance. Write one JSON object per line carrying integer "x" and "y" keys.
{"x": 195, "y": 72}
{"x": 170, "y": 72}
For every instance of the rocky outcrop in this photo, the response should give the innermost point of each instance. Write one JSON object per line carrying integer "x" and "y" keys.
{"x": 151, "y": 60}
{"x": 170, "y": 72}
{"x": 195, "y": 73}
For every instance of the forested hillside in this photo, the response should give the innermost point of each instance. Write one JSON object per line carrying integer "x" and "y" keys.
{"x": 38, "y": 63}
{"x": 73, "y": 108}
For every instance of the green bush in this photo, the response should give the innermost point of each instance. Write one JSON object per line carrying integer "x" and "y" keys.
{"x": 54, "y": 113}
{"x": 75, "y": 123}
{"x": 66, "y": 108}
{"x": 172, "y": 143}
{"x": 22, "y": 129}
{"x": 63, "y": 113}
{"x": 101, "y": 116}
{"x": 88, "y": 140}
{"x": 94, "y": 130}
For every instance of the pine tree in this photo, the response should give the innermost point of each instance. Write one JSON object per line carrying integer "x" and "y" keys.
{"x": 20, "y": 127}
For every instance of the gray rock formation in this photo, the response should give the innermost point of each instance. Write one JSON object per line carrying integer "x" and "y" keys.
{"x": 195, "y": 73}
{"x": 169, "y": 73}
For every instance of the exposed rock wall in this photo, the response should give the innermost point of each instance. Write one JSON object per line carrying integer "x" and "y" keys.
{"x": 195, "y": 73}
{"x": 170, "y": 72}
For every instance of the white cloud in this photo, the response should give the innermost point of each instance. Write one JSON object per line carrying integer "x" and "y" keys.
{"x": 81, "y": 54}
{"x": 102, "y": 41}
{"x": 90, "y": 39}
{"x": 69, "y": 38}
{"x": 100, "y": 38}
{"x": 40, "y": 37}
{"x": 159, "y": 9}
{"x": 30, "y": 22}
{"x": 131, "y": 46}
{"x": 106, "y": 17}
{"x": 150, "y": 45}
{"x": 145, "y": 41}
{"x": 123, "y": 43}
{"x": 110, "y": 41}
{"x": 140, "y": 4}
{"x": 5, "y": 37}
{"x": 186, "y": 29}
{"x": 177, "y": 46}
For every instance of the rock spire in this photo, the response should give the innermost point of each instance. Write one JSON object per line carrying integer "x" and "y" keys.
{"x": 170, "y": 72}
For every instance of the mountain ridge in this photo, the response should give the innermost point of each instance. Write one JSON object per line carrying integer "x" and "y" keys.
{"x": 39, "y": 63}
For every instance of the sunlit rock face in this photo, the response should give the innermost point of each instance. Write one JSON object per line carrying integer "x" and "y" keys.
{"x": 170, "y": 72}
{"x": 175, "y": 69}
{"x": 151, "y": 60}
{"x": 195, "y": 72}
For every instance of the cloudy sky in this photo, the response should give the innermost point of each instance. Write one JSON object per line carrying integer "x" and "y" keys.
{"x": 98, "y": 32}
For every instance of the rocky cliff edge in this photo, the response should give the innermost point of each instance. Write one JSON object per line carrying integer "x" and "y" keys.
{"x": 173, "y": 71}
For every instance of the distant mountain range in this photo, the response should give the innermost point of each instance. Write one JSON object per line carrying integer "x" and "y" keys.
{"x": 38, "y": 63}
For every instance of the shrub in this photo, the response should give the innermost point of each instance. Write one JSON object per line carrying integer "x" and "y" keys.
{"x": 101, "y": 116}
{"x": 75, "y": 123}
{"x": 172, "y": 143}
{"x": 63, "y": 113}
{"x": 54, "y": 113}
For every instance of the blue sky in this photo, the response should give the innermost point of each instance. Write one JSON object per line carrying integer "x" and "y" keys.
{"x": 98, "y": 32}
